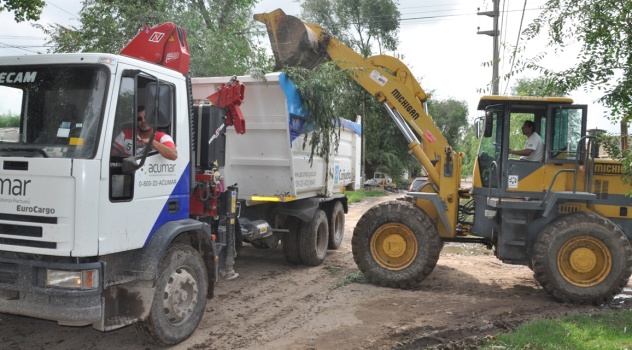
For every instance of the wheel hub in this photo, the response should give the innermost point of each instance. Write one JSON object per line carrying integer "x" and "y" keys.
{"x": 180, "y": 296}
{"x": 394, "y": 246}
{"x": 584, "y": 261}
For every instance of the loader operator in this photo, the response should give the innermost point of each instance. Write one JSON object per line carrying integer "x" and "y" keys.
{"x": 534, "y": 147}
{"x": 163, "y": 143}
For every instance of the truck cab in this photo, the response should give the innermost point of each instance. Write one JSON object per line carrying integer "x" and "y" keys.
{"x": 82, "y": 229}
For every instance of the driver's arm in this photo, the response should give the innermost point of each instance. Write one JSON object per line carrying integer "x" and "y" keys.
{"x": 522, "y": 152}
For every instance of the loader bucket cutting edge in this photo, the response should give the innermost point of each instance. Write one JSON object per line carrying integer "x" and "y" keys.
{"x": 293, "y": 43}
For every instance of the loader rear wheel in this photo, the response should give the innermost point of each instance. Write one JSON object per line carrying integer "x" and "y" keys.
{"x": 582, "y": 258}
{"x": 290, "y": 241}
{"x": 336, "y": 226}
{"x": 395, "y": 244}
{"x": 314, "y": 239}
{"x": 179, "y": 299}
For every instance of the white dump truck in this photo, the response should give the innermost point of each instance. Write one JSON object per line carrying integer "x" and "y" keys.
{"x": 277, "y": 182}
{"x": 94, "y": 233}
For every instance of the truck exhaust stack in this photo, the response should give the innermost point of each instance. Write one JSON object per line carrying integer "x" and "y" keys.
{"x": 294, "y": 43}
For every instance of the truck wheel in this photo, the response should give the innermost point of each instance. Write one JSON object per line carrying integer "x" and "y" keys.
{"x": 395, "y": 244}
{"x": 290, "y": 241}
{"x": 582, "y": 258}
{"x": 336, "y": 226}
{"x": 179, "y": 299}
{"x": 314, "y": 239}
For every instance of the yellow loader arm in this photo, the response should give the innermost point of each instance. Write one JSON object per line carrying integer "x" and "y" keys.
{"x": 295, "y": 43}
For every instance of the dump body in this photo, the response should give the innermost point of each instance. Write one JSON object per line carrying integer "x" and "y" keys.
{"x": 269, "y": 160}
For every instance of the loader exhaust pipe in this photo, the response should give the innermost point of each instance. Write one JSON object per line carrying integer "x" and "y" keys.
{"x": 294, "y": 43}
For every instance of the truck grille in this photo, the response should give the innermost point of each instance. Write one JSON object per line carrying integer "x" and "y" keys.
{"x": 19, "y": 230}
{"x": 29, "y": 218}
{"x": 8, "y": 273}
{"x": 26, "y": 243}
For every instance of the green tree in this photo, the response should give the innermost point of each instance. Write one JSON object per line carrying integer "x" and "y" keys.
{"x": 23, "y": 10}
{"x": 360, "y": 24}
{"x": 540, "y": 86}
{"x": 450, "y": 116}
{"x": 366, "y": 27}
{"x": 219, "y": 33}
{"x": 603, "y": 30}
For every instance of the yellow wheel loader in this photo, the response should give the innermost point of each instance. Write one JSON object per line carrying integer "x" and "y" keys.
{"x": 566, "y": 215}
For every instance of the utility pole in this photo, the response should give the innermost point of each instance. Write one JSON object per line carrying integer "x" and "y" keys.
{"x": 495, "y": 33}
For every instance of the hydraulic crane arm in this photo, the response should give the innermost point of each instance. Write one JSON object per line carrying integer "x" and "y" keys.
{"x": 295, "y": 43}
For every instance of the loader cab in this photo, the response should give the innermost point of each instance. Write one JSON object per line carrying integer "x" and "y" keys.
{"x": 558, "y": 122}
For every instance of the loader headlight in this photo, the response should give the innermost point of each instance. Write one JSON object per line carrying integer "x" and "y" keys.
{"x": 82, "y": 280}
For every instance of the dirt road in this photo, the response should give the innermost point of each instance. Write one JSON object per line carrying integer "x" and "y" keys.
{"x": 275, "y": 305}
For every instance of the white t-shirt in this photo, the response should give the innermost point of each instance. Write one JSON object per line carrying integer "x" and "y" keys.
{"x": 535, "y": 143}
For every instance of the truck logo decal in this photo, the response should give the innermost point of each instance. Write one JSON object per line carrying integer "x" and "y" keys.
{"x": 14, "y": 187}
{"x": 171, "y": 56}
{"x": 17, "y": 77}
{"x": 156, "y": 37}
{"x": 36, "y": 209}
{"x": 608, "y": 169}
{"x": 402, "y": 100}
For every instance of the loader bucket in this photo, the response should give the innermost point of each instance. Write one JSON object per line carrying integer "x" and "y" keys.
{"x": 293, "y": 43}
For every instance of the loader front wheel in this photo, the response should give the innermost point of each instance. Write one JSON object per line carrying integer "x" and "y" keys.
{"x": 395, "y": 244}
{"x": 582, "y": 258}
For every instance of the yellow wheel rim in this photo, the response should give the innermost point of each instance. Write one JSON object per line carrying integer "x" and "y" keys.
{"x": 394, "y": 246}
{"x": 584, "y": 261}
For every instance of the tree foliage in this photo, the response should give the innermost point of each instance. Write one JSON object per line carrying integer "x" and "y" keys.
{"x": 366, "y": 27}
{"x": 358, "y": 23}
{"x": 23, "y": 10}
{"x": 323, "y": 92}
{"x": 603, "y": 30}
{"x": 219, "y": 33}
{"x": 450, "y": 116}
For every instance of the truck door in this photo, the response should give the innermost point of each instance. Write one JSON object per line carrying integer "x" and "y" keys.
{"x": 139, "y": 202}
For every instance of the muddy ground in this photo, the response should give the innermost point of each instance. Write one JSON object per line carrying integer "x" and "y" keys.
{"x": 274, "y": 305}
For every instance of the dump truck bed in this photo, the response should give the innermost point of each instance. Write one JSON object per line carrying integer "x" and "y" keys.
{"x": 268, "y": 161}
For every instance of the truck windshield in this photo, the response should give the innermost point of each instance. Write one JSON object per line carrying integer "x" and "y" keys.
{"x": 52, "y": 111}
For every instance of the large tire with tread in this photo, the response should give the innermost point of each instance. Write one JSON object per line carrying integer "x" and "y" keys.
{"x": 395, "y": 244}
{"x": 290, "y": 241}
{"x": 314, "y": 239}
{"x": 582, "y": 258}
{"x": 336, "y": 226}
{"x": 180, "y": 297}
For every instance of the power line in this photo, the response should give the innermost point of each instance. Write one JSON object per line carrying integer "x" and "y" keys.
{"x": 51, "y": 3}
{"x": 513, "y": 58}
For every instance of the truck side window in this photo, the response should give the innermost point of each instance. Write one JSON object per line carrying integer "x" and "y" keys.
{"x": 567, "y": 128}
{"x": 121, "y": 185}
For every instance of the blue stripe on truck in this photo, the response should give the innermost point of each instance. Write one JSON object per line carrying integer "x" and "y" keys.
{"x": 181, "y": 194}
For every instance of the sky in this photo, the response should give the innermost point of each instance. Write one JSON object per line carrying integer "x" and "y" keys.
{"x": 438, "y": 39}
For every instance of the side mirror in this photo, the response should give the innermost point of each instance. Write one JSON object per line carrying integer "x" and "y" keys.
{"x": 158, "y": 108}
{"x": 130, "y": 165}
{"x": 489, "y": 123}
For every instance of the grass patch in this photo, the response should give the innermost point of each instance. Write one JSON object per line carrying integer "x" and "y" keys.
{"x": 333, "y": 270}
{"x": 604, "y": 330}
{"x": 356, "y": 277}
{"x": 356, "y": 196}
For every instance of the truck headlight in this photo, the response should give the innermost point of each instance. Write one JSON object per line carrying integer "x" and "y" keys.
{"x": 83, "y": 280}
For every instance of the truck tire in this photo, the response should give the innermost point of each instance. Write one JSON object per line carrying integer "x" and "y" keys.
{"x": 336, "y": 226}
{"x": 314, "y": 239}
{"x": 179, "y": 299}
{"x": 582, "y": 258}
{"x": 395, "y": 244}
{"x": 290, "y": 241}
